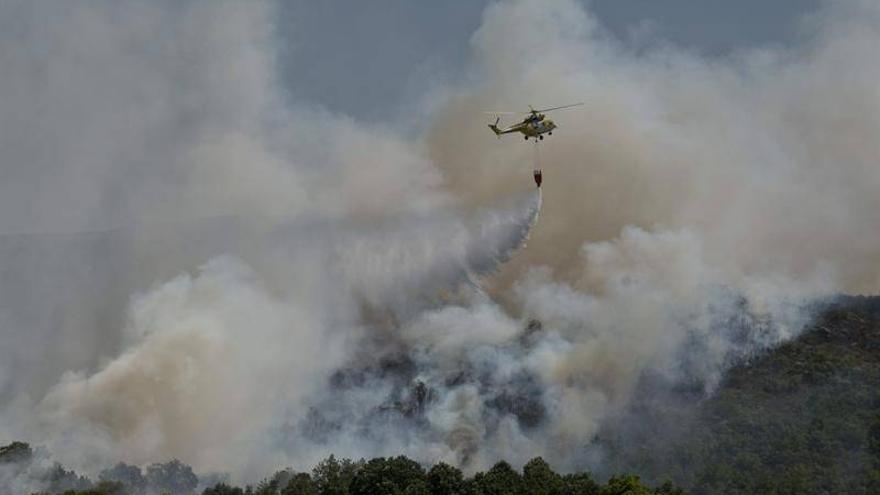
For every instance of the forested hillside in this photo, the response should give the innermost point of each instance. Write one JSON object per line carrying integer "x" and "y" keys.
{"x": 803, "y": 418}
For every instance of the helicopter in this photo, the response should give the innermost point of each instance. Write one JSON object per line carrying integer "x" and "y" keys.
{"x": 535, "y": 124}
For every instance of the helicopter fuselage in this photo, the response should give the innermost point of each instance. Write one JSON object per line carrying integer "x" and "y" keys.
{"x": 530, "y": 127}
{"x": 535, "y": 124}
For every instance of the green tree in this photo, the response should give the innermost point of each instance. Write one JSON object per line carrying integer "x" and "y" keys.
{"x": 223, "y": 489}
{"x": 129, "y": 476}
{"x": 667, "y": 488}
{"x": 540, "y": 479}
{"x": 500, "y": 480}
{"x": 333, "y": 477}
{"x": 874, "y": 440}
{"x": 444, "y": 479}
{"x": 275, "y": 483}
{"x": 109, "y": 488}
{"x": 417, "y": 487}
{"x": 872, "y": 484}
{"x": 172, "y": 477}
{"x": 59, "y": 479}
{"x": 15, "y": 452}
{"x": 579, "y": 484}
{"x": 300, "y": 484}
{"x": 102, "y": 488}
{"x": 625, "y": 485}
{"x": 389, "y": 476}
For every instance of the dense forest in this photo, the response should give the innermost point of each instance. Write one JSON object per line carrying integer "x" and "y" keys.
{"x": 803, "y": 418}
{"x": 379, "y": 476}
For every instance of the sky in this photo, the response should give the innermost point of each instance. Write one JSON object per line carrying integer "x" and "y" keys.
{"x": 372, "y": 60}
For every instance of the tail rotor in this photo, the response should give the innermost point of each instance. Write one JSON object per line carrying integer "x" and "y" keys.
{"x": 494, "y": 127}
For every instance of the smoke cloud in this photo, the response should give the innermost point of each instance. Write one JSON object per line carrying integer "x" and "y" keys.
{"x": 197, "y": 268}
{"x": 756, "y": 152}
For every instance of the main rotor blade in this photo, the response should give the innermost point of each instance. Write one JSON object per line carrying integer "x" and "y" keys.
{"x": 557, "y": 108}
{"x": 501, "y": 113}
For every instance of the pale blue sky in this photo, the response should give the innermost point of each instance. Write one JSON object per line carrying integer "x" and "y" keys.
{"x": 369, "y": 58}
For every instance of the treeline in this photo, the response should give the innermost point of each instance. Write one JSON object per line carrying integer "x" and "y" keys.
{"x": 403, "y": 476}
{"x": 22, "y": 471}
{"x": 379, "y": 476}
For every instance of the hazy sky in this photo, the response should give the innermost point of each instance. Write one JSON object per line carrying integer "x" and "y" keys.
{"x": 373, "y": 59}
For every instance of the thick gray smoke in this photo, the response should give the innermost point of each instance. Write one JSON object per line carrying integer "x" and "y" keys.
{"x": 196, "y": 268}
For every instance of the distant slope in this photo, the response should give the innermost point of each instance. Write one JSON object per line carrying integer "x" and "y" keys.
{"x": 801, "y": 419}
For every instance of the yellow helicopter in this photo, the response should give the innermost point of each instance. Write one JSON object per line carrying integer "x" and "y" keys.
{"x": 535, "y": 124}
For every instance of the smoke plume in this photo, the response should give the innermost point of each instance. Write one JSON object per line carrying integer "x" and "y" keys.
{"x": 196, "y": 267}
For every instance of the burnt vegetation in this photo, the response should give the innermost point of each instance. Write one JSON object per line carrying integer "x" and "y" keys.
{"x": 802, "y": 418}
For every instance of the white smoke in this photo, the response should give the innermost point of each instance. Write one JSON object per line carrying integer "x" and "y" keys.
{"x": 281, "y": 283}
{"x": 189, "y": 374}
